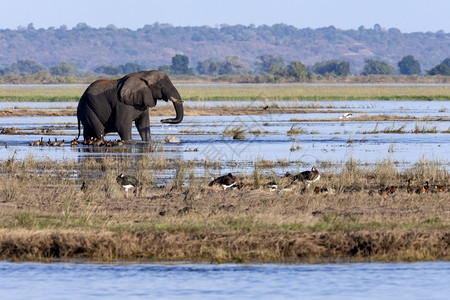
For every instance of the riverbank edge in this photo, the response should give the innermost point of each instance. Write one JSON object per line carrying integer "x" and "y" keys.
{"x": 225, "y": 247}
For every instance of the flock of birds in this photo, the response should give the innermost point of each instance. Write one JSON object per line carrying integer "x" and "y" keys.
{"x": 102, "y": 142}
{"x": 229, "y": 181}
{"x": 410, "y": 189}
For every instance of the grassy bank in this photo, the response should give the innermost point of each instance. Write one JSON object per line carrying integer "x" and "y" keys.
{"x": 45, "y": 215}
{"x": 297, "y": 92}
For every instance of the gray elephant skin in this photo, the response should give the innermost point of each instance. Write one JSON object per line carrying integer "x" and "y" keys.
{"x": 112, "y": 105}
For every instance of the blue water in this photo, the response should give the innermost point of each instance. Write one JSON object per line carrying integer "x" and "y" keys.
{"x": 204, "y": 281}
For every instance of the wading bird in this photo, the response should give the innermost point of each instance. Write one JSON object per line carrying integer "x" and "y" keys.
{"x": 127, "y": 182}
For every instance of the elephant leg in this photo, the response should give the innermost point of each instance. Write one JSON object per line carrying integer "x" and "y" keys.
{"x": 124, "y": 131}
{"x": 143, "y": 126}
{"x": 92, "y": 126}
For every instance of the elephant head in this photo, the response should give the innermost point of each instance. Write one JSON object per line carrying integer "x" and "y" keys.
{"x": 143, "y": 89}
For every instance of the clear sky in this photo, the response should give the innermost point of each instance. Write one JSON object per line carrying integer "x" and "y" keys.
{"x": 406, "y": 15}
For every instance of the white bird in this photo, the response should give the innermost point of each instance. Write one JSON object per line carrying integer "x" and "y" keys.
{"x": 346, "y": 116}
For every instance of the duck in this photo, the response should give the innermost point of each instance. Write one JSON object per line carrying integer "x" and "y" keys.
{"x": 41, "y": 142}
{"x": 439, "y": 188}
{"x": 55, "y": 143}
{"x": 227, "y": 181}
{"x": 99, "y": 142}
{"x": 34, "y": 143}
{"x": 127, "y": 182}
{"x": 392, "y": 189}
{"x": 409, "y": 188}
{"x": 307, "y": 177}
{"x": 424, "y": 189}
{"x": 74, "y": 142}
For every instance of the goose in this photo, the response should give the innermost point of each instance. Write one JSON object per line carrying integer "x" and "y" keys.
{"x": 307, "y": 177}
{"x": 127, "y": 182}
{"x": 74, "y": 142}
{"x": 61, "y": 144}
{"x": 227, "y": 181}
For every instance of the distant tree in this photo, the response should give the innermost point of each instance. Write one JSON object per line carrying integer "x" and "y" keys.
{"x": 180, "y": 65}
{"x": 376, "y": 67}
{"x": 121, "y": 69}
{"x": 234, "y": 66}
{"x": 336, "y": 67}
{"x": 164, "y": 69}
{"x": 63, "y": 69}
{"x": 409, "y": 66}
{"x": 297, "y": 70}
{"x": 231, "y": 65}
{"x": 208, "y": 67}
{"x": 441, "y": 69}
{"x": 24, "y": 67}
{"x": 108, "y": 70}
{"x": 131, "y": 68}
{"x": 269, "y": 64}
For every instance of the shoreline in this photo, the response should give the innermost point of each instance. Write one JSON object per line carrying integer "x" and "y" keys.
{"x": 235, "y": 247}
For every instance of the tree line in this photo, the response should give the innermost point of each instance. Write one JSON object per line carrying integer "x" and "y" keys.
{"x": 264, "y": 65}
{"x": 154, "y": 45}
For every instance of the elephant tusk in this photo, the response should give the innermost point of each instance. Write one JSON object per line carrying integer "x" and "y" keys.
{"x": 175, "y": 100}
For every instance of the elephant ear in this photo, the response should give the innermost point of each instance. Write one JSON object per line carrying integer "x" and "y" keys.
{"x": 135, "y": 91}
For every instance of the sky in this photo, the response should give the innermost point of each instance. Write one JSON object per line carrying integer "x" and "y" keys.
{"x": 405, "y": 15}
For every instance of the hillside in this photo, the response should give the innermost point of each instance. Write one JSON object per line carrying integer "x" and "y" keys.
{"x": 155, "y": 45}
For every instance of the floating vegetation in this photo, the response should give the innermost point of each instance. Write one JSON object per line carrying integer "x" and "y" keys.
{"x": 296, "y": 130}
{"x": 238, "y": 133}
{"x": 424, "y": 129}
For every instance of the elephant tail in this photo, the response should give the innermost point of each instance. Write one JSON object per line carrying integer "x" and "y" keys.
{"x": 79, "y": 128}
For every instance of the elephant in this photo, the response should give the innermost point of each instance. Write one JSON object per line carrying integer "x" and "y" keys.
{"x": 112, "y": 105}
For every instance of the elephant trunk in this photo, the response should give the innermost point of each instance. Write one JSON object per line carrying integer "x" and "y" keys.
{"x": 178, "y": 105}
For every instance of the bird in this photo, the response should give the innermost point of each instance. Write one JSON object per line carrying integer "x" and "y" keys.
{"x": 439, "y": 188}
{"x": 273, "y": 186}
{"x": 99, "y": 142}
{"x": 41, "y": 142}
{"x": 424, "y": 189}
{"x": 307, "y": 177}
{"x": 34, "y": 143}
{"x": 127, "y": 182}
{"x": 55, "y": 143}
{"x": 74, "y": 142}
{"x": 409, "y": 188}
{"x": 391, "y": 189}
{"x": 346, "y": 116}
{"x": 227, "y": 181}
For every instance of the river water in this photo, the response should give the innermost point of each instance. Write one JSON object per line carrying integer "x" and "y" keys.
{"x": 205, "y": 281}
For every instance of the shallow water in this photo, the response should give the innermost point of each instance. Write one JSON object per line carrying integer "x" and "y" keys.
{"x": 324, "y": 137}
{"x": 228, "y": 281}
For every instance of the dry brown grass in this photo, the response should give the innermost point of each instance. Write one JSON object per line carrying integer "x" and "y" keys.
{"x": 45, "y": 215}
